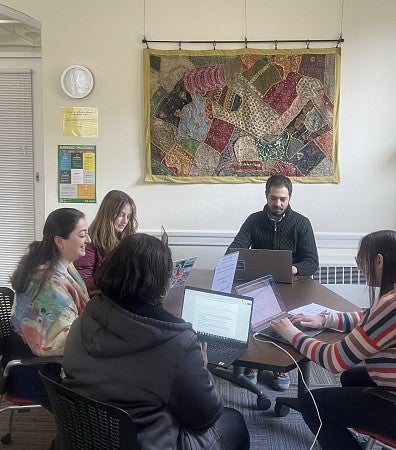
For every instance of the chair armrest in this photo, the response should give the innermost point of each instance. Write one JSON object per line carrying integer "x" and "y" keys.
{"x": 30, "y": 362}
{"x": 382, "y": 392}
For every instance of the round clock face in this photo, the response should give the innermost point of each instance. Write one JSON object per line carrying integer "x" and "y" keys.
{"x": 77, "y": 81}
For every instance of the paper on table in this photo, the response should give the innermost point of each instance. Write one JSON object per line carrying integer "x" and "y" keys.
{"x": 225, "y": 272}
{"x": 311, "y": 309}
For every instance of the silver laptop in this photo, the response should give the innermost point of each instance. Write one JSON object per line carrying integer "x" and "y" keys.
{"x": 220, "y": 319}
{"x": 268, "y": 305}
{"x": 181, "y": 270}
{"x": 256, "y": 263}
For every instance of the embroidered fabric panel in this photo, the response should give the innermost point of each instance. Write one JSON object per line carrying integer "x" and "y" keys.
{"x": 225, "y": 116}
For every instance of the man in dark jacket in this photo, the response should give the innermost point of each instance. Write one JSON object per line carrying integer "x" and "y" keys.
{"x": 278, "y": 227}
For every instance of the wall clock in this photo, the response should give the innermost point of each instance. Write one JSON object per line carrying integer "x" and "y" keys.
{"x": 77, "y": 81}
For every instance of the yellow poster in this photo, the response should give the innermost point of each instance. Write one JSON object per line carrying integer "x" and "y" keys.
{"x": 81, "y": 121}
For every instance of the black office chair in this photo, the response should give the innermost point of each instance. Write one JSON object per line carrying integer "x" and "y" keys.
{"x": 87, "y": 424}
{"x": 15, "y": 404}
{"x": 238, "y": 378}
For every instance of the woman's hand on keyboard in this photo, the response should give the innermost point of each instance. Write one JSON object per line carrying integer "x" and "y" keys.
{"x": 316, "y": 321}
{"x": 281, "y": 325}
{"x": 285, "y": 328}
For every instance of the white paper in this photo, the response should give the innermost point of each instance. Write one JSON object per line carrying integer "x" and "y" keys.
{"x": 312, "y": 309}
{"x": 225, "y": 272}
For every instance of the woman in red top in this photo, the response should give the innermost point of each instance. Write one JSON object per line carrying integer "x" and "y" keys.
{"x": 115, "y": 219}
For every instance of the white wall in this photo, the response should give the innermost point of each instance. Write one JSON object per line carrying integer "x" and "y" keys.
{"x": 106, "y": 37}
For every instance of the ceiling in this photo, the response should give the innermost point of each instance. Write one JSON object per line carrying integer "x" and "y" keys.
{"x": 18, "y": 35}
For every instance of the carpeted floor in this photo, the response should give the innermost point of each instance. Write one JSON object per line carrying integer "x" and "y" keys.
{"x": 267, "y": 430}
{"x": 36, "y": 429}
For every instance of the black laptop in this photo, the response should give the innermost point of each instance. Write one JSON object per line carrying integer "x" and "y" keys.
{"x": 256, "y": 263}
{"x": 220, "y": 319}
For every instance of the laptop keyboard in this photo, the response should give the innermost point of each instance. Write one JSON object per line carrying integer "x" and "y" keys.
{"x": 223, "y": 348}
{"x": 271, "y": 333}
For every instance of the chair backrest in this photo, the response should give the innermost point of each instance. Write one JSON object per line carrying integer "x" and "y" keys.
{"x": 6, "y": 301}
{"x": 88, "y": 424}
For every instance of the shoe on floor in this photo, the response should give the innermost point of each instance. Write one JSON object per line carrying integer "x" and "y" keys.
{"x": 250, "y": 373}
{"x": 281, "y": 381}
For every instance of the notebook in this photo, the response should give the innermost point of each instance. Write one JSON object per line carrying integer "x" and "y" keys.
{"x": 220, "y": 319}
{"x": 181, "y": 270}
{"x": 256, "y": 263}
{"x": 268, "y": 305}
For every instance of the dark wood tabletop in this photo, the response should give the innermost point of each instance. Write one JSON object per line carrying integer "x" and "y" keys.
{"x": 264, "y": 355}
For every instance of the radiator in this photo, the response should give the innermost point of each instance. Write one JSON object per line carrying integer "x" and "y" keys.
{"x": 339, "y": 275}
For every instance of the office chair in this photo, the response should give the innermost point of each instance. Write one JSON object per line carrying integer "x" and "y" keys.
{"x": 238, "y": 378}
{"x": 88, "y": 424}
{"x": 377, "y": 438}
{"x": 14, "y": 403}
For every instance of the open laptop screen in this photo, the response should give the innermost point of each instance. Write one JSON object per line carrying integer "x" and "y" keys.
{"x": 217, "y": 314}
{"x": 268, "y": 304}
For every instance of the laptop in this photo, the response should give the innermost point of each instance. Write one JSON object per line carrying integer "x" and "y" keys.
{"x": 220, "y": 319}
{"x": 181, "y": 270}
{"x": 268, "y": 305}
{"x": 164, "y": 236}
{"x": 256, "y": 263}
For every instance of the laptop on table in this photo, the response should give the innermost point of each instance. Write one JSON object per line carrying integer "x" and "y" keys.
{"x": 220, "y": 319}
{"x": 268, "y": 305}
{"x": 255, "y": 263}
{"x": 181, "y": 270}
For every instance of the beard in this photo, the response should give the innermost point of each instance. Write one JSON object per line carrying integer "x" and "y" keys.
{"x": 276, "y": 211}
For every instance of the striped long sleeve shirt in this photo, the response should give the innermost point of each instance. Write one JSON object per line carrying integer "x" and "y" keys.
{"x": 371, "y": 338}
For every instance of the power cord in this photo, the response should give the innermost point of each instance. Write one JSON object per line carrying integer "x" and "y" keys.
{"x": 256, "y": 337}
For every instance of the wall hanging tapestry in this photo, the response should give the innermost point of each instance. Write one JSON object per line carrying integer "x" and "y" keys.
{"x": 237, "y": 116}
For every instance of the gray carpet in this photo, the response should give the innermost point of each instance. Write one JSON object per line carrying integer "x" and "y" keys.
{"x": 267, "y": 430}
{"x": 35, "y": 430}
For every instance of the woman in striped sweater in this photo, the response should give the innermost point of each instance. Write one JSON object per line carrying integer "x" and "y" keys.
{"x": 371, "y": 339}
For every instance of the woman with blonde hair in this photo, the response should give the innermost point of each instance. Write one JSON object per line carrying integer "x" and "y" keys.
{"x": 115, "y": 219}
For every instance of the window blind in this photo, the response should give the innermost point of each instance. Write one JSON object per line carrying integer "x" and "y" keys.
{"x": 16, "y": 169}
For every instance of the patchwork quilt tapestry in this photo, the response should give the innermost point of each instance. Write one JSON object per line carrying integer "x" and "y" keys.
{"x": 237, "y": 116}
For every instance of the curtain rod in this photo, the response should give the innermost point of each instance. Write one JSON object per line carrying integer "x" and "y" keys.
{"x": 246, "y": 41}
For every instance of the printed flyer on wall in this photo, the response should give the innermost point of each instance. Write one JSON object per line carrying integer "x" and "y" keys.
{"x": 77, "y": 173}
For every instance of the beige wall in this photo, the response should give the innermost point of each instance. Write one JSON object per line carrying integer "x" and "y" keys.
{"x": 106, "y": 37}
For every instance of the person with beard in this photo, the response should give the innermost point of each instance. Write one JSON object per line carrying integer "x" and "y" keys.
{"x": 278, "y": 227}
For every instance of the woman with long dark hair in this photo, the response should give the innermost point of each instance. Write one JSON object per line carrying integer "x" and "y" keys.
{"x": 50, "y": 294}
{"x": 371, "y": 340}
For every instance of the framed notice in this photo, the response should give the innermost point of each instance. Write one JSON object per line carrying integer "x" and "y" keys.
{"x": 77, "y": 173}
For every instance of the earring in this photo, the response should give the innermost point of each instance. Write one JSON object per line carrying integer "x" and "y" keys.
{"x": 165, "y": 292}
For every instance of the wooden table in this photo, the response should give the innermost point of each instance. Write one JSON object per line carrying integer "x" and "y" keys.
{"x": 265, "y": 356}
